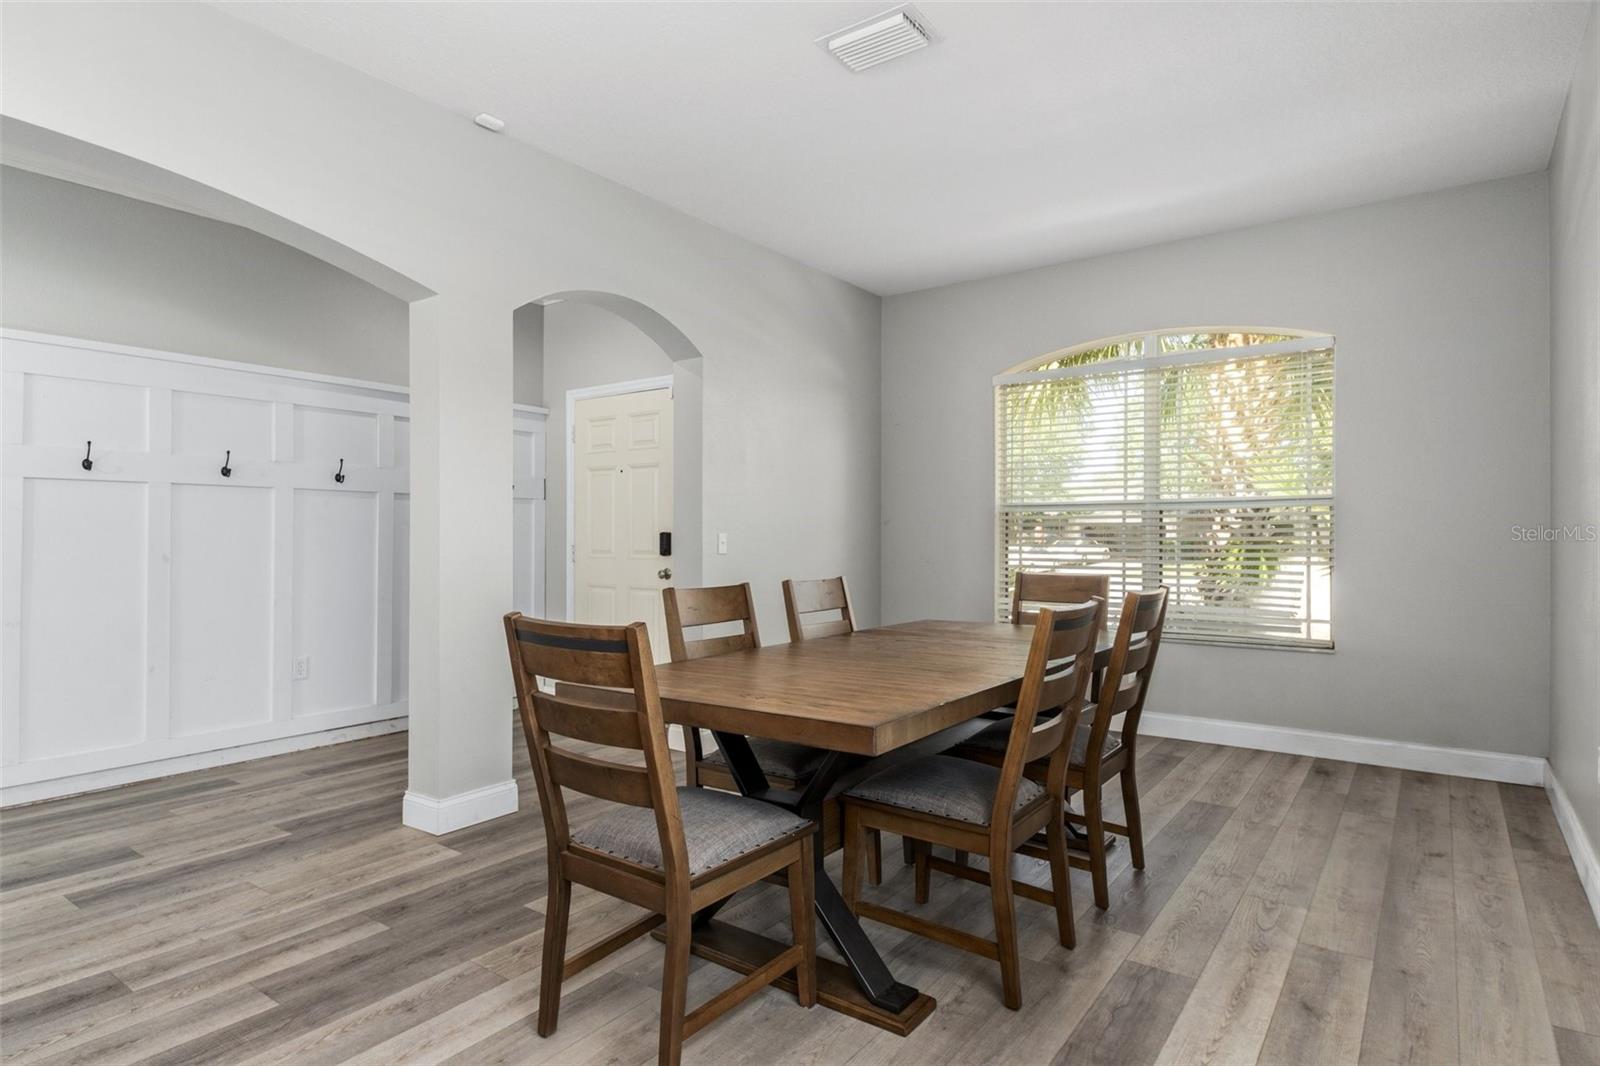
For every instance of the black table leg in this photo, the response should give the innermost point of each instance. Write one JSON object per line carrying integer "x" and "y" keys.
{"x": 871, "y": 972}
{"x": 866, "y": 965}
{"x": 703, "y": 916}
{"x": 1078, "y": 840}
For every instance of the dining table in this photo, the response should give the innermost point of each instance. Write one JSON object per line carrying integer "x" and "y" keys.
{"x": 871, "y": 699}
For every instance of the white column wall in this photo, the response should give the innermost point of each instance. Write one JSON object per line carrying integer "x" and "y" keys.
{"x": 460, "y": 755}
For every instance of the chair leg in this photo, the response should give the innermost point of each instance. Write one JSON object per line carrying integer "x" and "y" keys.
{"x": 674, "y": 981}
{"x": 853, "y": 843}
{"x": 691, "y": 769}
{"x": 1061, "y": 882}
{"x": 802, "y": 920}
{"x": 555, "y": 951}
{"x": 1094, "y": 825}
{"x": 921, "y": 849}
{"x": 1005, "y": 927}
{"x": 961, "y": 858}
{"x": 908, "y": 852}
{"x": 1130, "y": 808}
{"x": 875, "y": 857}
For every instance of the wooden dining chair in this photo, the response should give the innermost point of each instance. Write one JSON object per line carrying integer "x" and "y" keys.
{"x": 784, "y": 764}
{"x": 994, "y": 811}
{"x": 672, "y": 851}
{"x": 1106, "y": 745}
{"x": 1034, "y": 589}
{"x": 819, "y": 608}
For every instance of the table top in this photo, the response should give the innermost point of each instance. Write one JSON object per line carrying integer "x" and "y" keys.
{"x": 866, "y": 692}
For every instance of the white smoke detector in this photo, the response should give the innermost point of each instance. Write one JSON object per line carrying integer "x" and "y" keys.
{"x": 880, "y": 38}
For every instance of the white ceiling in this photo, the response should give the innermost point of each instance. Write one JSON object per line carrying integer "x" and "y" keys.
{"x": 1030, "y": 134}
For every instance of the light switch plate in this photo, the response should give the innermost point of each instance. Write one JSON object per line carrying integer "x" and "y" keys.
{"x": 302, "y": 668}
{"x": 722, "y": 544}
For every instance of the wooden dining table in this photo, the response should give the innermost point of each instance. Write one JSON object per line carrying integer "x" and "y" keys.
{"x": 872, "y": 699}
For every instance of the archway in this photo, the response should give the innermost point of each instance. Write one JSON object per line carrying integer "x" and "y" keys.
{"x": 56, "y": 155}
{"x": 581, "y": 343}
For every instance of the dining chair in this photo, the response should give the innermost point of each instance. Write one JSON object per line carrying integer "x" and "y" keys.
{"x": 785, "y": 764}
{"x": 1034, "y": 589}
{"x": 672, "y": 851}
{"x": 991, "y": 810}
{"x": 804, "y": 601}
{"x": 818, "y": 608}
{"x": 1103, "y": 747}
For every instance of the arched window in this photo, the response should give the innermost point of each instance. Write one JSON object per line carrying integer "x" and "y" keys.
{"x": 1199, "y": 459}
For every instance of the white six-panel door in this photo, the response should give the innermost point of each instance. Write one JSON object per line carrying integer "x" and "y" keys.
{"x": 156, "y": 611}
{"x": 622, "y": 503}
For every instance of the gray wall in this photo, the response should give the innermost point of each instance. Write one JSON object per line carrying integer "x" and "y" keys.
{"x": 527, "y": 354}
{"x": 1440, "y": 305}
{"x": 86, "y": 263}
{"x": 1575, "y": 451}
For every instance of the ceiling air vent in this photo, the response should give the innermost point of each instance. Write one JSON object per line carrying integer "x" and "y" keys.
{"x": 879, "y": 39}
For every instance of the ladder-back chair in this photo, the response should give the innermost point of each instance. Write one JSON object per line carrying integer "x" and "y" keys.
{"x": 992, "y": 810}
{"x": 671, "y": 851}
{"x": 785, "y": 764}
{"x": 1106, "y": 745}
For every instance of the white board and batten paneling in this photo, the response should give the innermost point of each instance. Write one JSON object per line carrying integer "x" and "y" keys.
{"x": 159, "y": 616}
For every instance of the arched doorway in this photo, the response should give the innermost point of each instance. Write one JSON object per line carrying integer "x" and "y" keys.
{"x": 578, "y": 351}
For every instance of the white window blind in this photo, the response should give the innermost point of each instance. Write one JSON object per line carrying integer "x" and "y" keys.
{"x": 1202, "y": 461}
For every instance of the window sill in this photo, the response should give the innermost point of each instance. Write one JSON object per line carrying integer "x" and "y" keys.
{"x": 1207, "y": 642}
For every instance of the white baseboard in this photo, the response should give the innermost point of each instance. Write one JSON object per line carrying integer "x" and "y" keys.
{"x": 96, "y": 780}
{"x": 440, "y": 816}
{"x": 1402, "y": 755}
{"x": 1578, "y": 842}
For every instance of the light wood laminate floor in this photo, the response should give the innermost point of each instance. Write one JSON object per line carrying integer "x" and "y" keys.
{"x": 1293, "y": 910}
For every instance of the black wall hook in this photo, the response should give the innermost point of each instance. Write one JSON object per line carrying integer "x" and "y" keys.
{"x": 88, "y": 448}
{"x": 339, "y": 477}
{"x": 227, "y": 471}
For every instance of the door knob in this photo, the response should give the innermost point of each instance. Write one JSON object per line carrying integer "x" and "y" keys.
{"x": 664, "y": 573}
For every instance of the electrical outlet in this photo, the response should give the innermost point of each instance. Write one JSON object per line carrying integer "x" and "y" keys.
{"x": 722, "y": 544}
{"x": 302, "y": 668}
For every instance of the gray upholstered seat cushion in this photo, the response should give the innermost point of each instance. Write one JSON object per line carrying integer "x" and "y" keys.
{"x": 948, "y": 787}
{"x": 717, "y": 827}
{"x": 779, "y": 757}
{"x": 997, "y": 736}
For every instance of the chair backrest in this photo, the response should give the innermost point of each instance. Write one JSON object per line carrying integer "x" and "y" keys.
{"x": 615, "y": 659}
{"x": 690, "y": 608}
{"x": 805, "y": 601}
{"x": 1060, "y": 663}
{"x": 1055, "y": 590}
{"x": 1126, "y": 682}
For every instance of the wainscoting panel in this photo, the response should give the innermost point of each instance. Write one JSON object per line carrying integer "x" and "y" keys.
{"x": 158, "y": 611}
{"x": 335, "y": 589}
{"x": 325, "y": 436}
{"x": 400, "y": 627}
{"x": 84, "y": 638}
{"x": 221, "y": 427}
{"x": 70, "y": 413}
{"x": 222, "y": 566}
